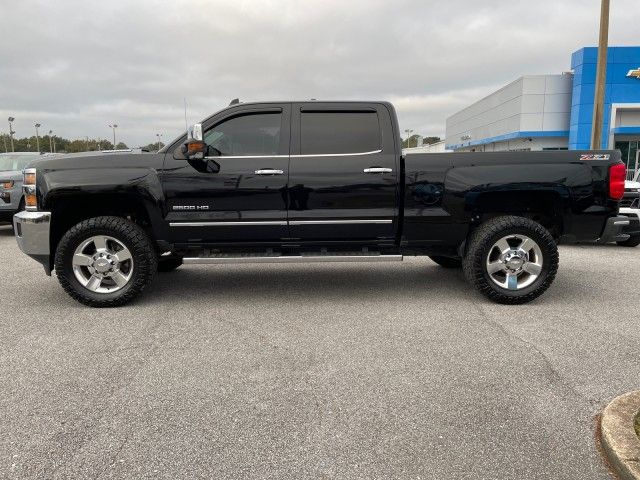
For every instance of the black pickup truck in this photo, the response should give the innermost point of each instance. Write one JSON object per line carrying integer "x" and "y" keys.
{"x": 312, "y": 182}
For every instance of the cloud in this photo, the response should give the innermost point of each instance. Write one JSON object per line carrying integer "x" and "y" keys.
{"x": 76, "y": 66}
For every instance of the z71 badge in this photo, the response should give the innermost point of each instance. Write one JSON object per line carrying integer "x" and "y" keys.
{"x": 595, "y": 156}
{"x": 183, "y": 208}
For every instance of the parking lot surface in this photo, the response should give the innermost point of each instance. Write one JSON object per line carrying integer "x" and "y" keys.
{"x": 320, "y": 371}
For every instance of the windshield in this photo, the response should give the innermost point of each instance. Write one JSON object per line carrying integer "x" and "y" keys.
{"x": 15, "y": 162}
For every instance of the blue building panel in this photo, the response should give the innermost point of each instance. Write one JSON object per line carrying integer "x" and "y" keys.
{"x": 620, "y": 89}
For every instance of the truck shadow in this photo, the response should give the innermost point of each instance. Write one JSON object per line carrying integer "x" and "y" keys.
{"x": 304, "y": 282}
{"x": 298, "y": 284}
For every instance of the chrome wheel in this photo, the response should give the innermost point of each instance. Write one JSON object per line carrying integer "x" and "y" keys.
{"x": 102, "y": 264}
{"x": 514, "y": 262}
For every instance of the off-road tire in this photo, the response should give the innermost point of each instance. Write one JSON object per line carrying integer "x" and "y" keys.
{"x": 631, "y": 242}
{"x": 447, "y": 262}
{"x": 168, "y": 264}
{"x": 130, "y": 234}
{"x": 480, "y": 244}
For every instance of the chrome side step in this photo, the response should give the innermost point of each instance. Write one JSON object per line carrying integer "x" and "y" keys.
{"x": 304, "y": 258}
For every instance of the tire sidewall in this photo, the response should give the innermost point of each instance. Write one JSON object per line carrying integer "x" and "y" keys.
{"x": 81, "y": 232}
{"x": 549, "y": 259}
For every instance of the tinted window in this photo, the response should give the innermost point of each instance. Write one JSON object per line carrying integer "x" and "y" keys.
{"x": 16, "y": 162}
{"x": 339, "y": 132}
{"x": 255, "y": 134}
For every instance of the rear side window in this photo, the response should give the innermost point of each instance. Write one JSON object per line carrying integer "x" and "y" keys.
{"x": 339, "y": 132}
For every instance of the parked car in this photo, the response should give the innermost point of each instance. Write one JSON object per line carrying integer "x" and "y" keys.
{"x": 630, "y": 207}
{"x": 11, "y": 196}
{"x": 313, "y": 182}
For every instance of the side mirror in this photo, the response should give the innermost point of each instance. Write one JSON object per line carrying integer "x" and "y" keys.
{"x": 194, "y": 148}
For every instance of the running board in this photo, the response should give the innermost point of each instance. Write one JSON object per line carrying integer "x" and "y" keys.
{"x": 305, "y": 258}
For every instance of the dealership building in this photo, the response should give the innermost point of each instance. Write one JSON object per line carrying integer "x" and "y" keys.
{"x": 554, "y": 112}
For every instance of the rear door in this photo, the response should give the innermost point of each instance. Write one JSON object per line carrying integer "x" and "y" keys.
{"x": 343, "y": 173}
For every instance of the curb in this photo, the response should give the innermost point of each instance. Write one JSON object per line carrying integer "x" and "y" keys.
{"x": 619, "y": 439}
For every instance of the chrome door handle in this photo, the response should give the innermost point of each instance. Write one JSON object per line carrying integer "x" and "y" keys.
{"x": 269, "y": 171}
{"x": 378, "y": 170}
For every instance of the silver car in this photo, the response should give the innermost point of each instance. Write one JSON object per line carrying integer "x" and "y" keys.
{"x": 11, "y": 196}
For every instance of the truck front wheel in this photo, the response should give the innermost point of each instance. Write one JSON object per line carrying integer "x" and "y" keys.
{"x": 511, "y": 260}
{"x": 105, "y": 261}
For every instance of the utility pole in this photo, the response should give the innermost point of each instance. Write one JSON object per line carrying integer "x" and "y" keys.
{"x": 11, "y": 132}
{"x": 113, "y": 127}
{"x": 87, "y": 138}
{"x": 37, "y": 125}
{"x": 601, "y": 77}
{"x": 50, "y": 141}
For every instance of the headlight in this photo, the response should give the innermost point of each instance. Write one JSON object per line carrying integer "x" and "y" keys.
{"x": 29, "y": 188}
{"x": 7, "y": 184}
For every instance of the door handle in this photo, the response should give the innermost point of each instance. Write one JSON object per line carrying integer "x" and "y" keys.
{"x": 378, "y": 170}
{"x": 269, "y": 171}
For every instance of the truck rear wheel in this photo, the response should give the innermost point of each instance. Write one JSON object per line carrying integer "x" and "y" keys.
{"x": 447, "y": 262}
{"x": 511, "y": 260}
{"x": 105, "y": 261}
{"x": 631, "y": 242}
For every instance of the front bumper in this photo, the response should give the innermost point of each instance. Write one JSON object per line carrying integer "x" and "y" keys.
{"x": 32, "y": 234}
{"x": 613, "y": 230}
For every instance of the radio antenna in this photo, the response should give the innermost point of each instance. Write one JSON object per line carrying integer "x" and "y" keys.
{"x": 186, "y": 124}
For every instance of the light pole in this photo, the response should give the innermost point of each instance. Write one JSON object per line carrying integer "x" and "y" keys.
{"x": 159, "y": 135}
{"x": 50, "y": 141}
{"x": 408, "y": 132}
{"x": 113, "y": 127}
{"x": 11, "y": 132}
{"x": 37, "y": 125}
{"x": 601, "y": 76}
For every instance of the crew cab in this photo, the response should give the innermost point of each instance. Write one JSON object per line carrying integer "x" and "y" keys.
{"x": 312, "y": 182}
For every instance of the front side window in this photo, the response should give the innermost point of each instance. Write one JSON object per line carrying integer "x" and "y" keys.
{"x": 339, "y": 132}
{"x": 253, "y": 134}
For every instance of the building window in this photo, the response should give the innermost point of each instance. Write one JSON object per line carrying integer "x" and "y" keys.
{"x": 629, "y": 152}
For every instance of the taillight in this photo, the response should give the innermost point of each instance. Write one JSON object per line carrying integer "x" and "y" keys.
{"x": 617, "y": 176}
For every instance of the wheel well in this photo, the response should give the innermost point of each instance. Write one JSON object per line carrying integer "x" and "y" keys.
{"x": 69, "y": 211}
{"x": 544, "y": 208}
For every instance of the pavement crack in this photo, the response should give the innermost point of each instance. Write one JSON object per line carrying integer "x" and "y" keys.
{"x": 554, "y": 372}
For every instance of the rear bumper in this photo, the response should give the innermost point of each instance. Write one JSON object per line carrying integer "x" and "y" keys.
{"x": 633, "y": 214}
{"x": 32, "y": 234}
{"x": 613, "y": 230}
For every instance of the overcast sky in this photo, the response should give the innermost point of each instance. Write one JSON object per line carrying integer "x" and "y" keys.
{"x": 76, "y": 66}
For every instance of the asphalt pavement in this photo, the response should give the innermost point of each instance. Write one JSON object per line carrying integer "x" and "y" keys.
{"x": 315, "y": 371}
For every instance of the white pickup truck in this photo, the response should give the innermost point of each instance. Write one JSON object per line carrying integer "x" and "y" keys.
{"x": 630, "y": 207}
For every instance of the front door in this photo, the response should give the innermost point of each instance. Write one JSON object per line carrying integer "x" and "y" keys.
{"x": 343, "y": 174}
{"x": 238, "y": 193}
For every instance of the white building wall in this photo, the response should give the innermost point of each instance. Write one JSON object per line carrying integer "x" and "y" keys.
{"x": 533, "y": 103}
{"x": 438, "y": 147}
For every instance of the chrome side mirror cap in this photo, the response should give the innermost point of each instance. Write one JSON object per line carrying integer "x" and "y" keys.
{"x": 194, "y": 148}
{"x": 195, "y": 132}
